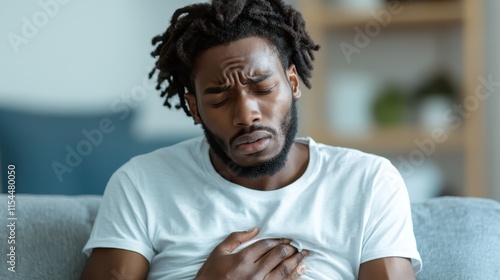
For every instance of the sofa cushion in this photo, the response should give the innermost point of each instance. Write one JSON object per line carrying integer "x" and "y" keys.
{"x": 458, "y": 238}
{"x": 50, "y": 232}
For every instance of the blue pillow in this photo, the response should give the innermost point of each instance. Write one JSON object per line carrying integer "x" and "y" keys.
{"x": 67, "y": 154}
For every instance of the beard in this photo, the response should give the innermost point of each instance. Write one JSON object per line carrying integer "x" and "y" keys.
{"x": 289, "y": 124}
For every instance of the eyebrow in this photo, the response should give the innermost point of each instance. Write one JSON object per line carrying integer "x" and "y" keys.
{"x": 258, "y": 79}
{"x": 216, "y": 89}
{"x": 253, "y": 80}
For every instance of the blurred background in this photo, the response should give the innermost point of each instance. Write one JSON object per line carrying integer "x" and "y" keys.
{"x": 415, "y": 81}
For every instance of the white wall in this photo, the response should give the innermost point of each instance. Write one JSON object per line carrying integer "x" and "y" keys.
{"x": 85, "y": 56}
{"x": 493, "y": 115}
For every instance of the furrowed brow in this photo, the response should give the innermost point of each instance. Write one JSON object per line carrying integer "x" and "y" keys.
{"x": 253, "y": 80}
{"x": 216, "y": 89}
{"x": 258, "y": 79}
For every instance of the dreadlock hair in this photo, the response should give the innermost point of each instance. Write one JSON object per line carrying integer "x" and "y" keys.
{"x": 196, "y": 28}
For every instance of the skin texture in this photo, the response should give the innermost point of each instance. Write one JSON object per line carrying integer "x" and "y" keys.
{"x": 108, "y": 263}
{"x": 289, "y": 125}
{"x": 387, "y": 268}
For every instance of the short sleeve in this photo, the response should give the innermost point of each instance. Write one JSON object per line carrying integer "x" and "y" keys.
{"x": 121, "y": 221}
{"x": 389, "y": 229}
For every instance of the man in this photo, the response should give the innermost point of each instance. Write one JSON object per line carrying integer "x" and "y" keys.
{"x": 182, "y": 212}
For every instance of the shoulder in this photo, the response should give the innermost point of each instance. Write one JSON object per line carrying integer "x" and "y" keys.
{"x": 347, "y": 159}
{"x": 353, "y": 171}
{"x": 159, "y": 173}
{"x": 177, "y": 159}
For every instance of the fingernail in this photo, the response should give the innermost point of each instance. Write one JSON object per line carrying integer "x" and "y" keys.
{"x": 305, "y": 253}
{"x": 286, "y": 240}
{"x": 252, "y": 229}
{"x": 301, "y": 269}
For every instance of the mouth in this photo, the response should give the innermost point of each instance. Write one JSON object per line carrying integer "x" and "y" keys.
{"x": 254, "y": 142}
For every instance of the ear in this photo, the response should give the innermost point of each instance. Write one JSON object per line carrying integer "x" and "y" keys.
{"x": 193, "y": 107}
{"x": 293, "y": 79}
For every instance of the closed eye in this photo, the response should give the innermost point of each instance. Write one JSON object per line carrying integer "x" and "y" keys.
{"x": 264, "y": 91}
{"x": 219, "y": 104}
{"x": 256, "y": 91}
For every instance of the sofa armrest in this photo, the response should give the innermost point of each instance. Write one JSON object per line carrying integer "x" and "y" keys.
{"x": 50, "y": 232}
{"x": 458, "y": 238}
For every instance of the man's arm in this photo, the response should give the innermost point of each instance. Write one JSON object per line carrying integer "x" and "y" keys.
{"x": 392, "y": 268}
{"x": 268, "y": 259}
{"x": 118, "y": 264}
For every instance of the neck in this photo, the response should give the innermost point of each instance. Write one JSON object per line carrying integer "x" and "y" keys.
{"x": 295, "y": 166}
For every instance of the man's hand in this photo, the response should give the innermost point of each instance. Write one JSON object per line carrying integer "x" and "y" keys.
{"x": 266, "y": 259}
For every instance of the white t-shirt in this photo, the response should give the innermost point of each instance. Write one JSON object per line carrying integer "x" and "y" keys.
{"x": 172, "y": 207}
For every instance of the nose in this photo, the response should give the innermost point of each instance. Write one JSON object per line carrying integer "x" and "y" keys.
{"x": 246, "y": 110}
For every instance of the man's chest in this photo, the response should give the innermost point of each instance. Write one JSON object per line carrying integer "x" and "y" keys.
{"x": 184, "y": 236}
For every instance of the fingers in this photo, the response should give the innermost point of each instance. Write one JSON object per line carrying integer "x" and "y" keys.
{"x": 234, "y": 240}
{"x": 290, "y": 268}
{"x": 297, "y": 272}
{"x": 259, "y": 249}
{"x": 276, "y": 256}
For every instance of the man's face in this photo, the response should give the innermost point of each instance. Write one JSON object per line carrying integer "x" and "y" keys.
{"x": 244, "y": 101}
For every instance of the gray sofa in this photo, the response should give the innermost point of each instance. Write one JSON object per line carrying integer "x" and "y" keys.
{"x": 458, "y": 238}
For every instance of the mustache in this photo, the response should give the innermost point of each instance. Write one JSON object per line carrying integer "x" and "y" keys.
{"x": 252, "y": 129}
